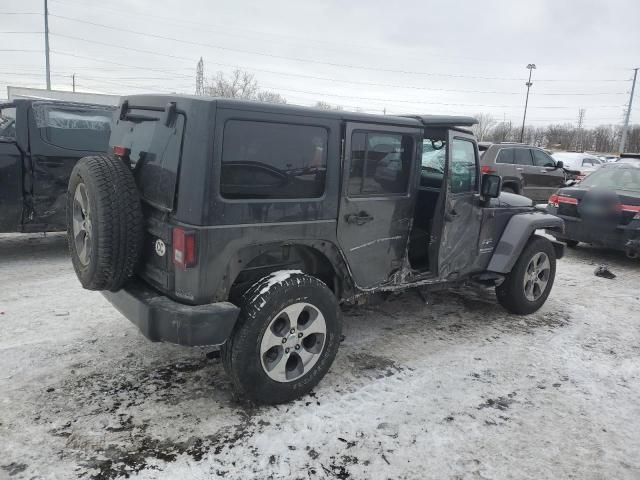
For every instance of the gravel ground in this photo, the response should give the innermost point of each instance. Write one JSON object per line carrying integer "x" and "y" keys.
{"x": 455, "y": 388}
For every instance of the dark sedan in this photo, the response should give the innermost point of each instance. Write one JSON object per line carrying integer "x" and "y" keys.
{"x": 603, "y": 209}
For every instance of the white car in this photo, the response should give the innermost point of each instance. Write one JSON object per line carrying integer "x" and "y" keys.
{"x": 578, "y": 164}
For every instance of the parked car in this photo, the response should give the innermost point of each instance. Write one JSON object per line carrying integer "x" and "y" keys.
{"x": 609, "y": 158}
{"x": 604, "y": 209}
{"x": 247, "y": 224}
{"x": 578, "y": 165}
{"x": 524, "y": 169}
{"x": 40, "y": 143}
{"x": 629, "y": 158}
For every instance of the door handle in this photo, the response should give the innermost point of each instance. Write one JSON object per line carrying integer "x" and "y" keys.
{"x": 544, "y": 170}
{"x": 520, "y": 169}
{"x": 358, "y": 219}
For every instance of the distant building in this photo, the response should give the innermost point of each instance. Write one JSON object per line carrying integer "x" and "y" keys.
{"x": 82, "y": 97}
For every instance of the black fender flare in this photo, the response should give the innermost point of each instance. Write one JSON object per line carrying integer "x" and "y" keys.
{"x": 516, "y": 235}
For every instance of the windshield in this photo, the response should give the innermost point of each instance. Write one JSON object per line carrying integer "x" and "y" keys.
{"x": 627, "y": 179}
{"x": 433, "y": 155}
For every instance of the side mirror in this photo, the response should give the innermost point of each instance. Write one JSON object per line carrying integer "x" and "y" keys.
{"x": 491, "y": 186}
{"x": 559, "y": 164}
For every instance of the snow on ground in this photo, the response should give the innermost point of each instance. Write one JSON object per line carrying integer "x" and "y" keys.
{"x": 455, "y": 388}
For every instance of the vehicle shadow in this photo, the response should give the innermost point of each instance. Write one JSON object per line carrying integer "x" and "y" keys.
{"x": 19, "y": 247}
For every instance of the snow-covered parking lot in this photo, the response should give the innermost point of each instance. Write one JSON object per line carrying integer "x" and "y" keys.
{"x": 455, "y": 388}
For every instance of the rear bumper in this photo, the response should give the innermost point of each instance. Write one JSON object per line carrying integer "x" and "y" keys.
{"x": 161, "y": 319}
{"x": 621, "y": 237}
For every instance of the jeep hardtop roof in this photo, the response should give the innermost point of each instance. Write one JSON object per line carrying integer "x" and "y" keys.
{"x": 186, "y": 102}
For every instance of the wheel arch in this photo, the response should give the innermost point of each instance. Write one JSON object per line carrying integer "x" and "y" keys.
{"x": 320, "y": 258}
{"x": 517, "y": 233}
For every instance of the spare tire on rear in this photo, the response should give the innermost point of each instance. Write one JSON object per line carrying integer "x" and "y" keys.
{"x": 104, "y": 222}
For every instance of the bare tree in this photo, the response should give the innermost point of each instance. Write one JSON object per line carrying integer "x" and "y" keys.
{"x": 270, "y": 97}
{"x": 502, "y": 132}
{"x": 484, "y": 125}
{"x": 239, "y": 84}
{"x": 327, "y": 106}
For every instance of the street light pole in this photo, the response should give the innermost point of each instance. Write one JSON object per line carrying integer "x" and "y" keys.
{"x": 46, "y": 43}
{"x": 531, "y": 67}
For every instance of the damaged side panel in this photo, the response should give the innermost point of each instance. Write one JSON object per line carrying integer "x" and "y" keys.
{"x": 60, "y": 134}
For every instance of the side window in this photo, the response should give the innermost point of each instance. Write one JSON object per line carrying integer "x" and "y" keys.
{"x": 463, "y": 166}
{"x": 505, "y": 156}
{"x": 541, "y": 159}
{"x": 74, "y": 128}
{"x": 380, "y": 163}
{"x": 588, "y": 162}
{"x": 522, "y": 156}
{"x": 8, "y": 123}
{"x": 273, "y": 160}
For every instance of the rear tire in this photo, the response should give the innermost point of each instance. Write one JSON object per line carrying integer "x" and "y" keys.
{"x": 266, "y": 353}
{"x": 527, "y": 286}
{"x": 104, "y": 222}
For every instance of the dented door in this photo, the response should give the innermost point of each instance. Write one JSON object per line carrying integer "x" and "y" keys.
{"x": 377, "y": 200}
{"x": 462, "y": 210}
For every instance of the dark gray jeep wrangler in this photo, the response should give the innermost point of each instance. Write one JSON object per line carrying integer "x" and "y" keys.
{"x": 245, "y": 225}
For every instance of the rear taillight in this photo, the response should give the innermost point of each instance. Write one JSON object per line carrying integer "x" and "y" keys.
{"x": 553, "y": 200}
{"x": 184, "y": 248}
{"x": 120, "y": 151}
{"x": 487, "y": 169}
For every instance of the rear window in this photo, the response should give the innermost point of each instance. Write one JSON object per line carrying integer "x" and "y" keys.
{"x": 155, "y": 151}
{"x": 614, "y": 178}
{"x": 263, "y": 160}
{"x": 73, "y": 127}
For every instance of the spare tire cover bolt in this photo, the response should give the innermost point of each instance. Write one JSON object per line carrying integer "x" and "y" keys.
{"x": 297, "y": 347}
{"x": 286, "y": 350}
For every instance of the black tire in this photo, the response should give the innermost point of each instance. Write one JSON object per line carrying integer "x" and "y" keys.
{"x": 511, "y": 293}
{"x": 260, "y": 305}
{"x": 115, "y": 220}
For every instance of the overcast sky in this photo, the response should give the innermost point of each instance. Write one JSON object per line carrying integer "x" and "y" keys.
{"x": 459, "y": 57}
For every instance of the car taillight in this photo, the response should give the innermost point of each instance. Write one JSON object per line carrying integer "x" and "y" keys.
{"x": 184, "y": 248}
{"x": 487, "y": 169}
{"x": 553, "y": 200}
{"x": 120, "y": 151}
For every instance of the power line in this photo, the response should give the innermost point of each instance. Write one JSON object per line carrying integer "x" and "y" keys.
{"x": 317, "y": 77}
{"x": 282, "y": 57}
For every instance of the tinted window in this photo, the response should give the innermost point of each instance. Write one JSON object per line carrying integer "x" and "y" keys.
{"x": 380, "y": 163}
{"x": 463, "y": 166}
{"x": 541, "y": 159}
{"x": 522, "y": 156}
{"x": 8, "y": 123}
{"x": 74, "y": 128}
{"x": 505, "y": 156}
{"x": 273, "y": 160}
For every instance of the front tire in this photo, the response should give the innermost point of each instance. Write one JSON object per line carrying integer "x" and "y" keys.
{"x": 285, "y": 340}
{"x": 527, "y": 286}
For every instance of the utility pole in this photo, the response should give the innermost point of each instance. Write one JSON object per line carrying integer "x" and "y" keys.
{"x": 625, "y": 127}
{"x": 531, "y": 67}
{"x": 46, "y": 43}
{"x": 73, "y": 79}
{"x": 579, "y": 146}
{"x": 200, "y": 78}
